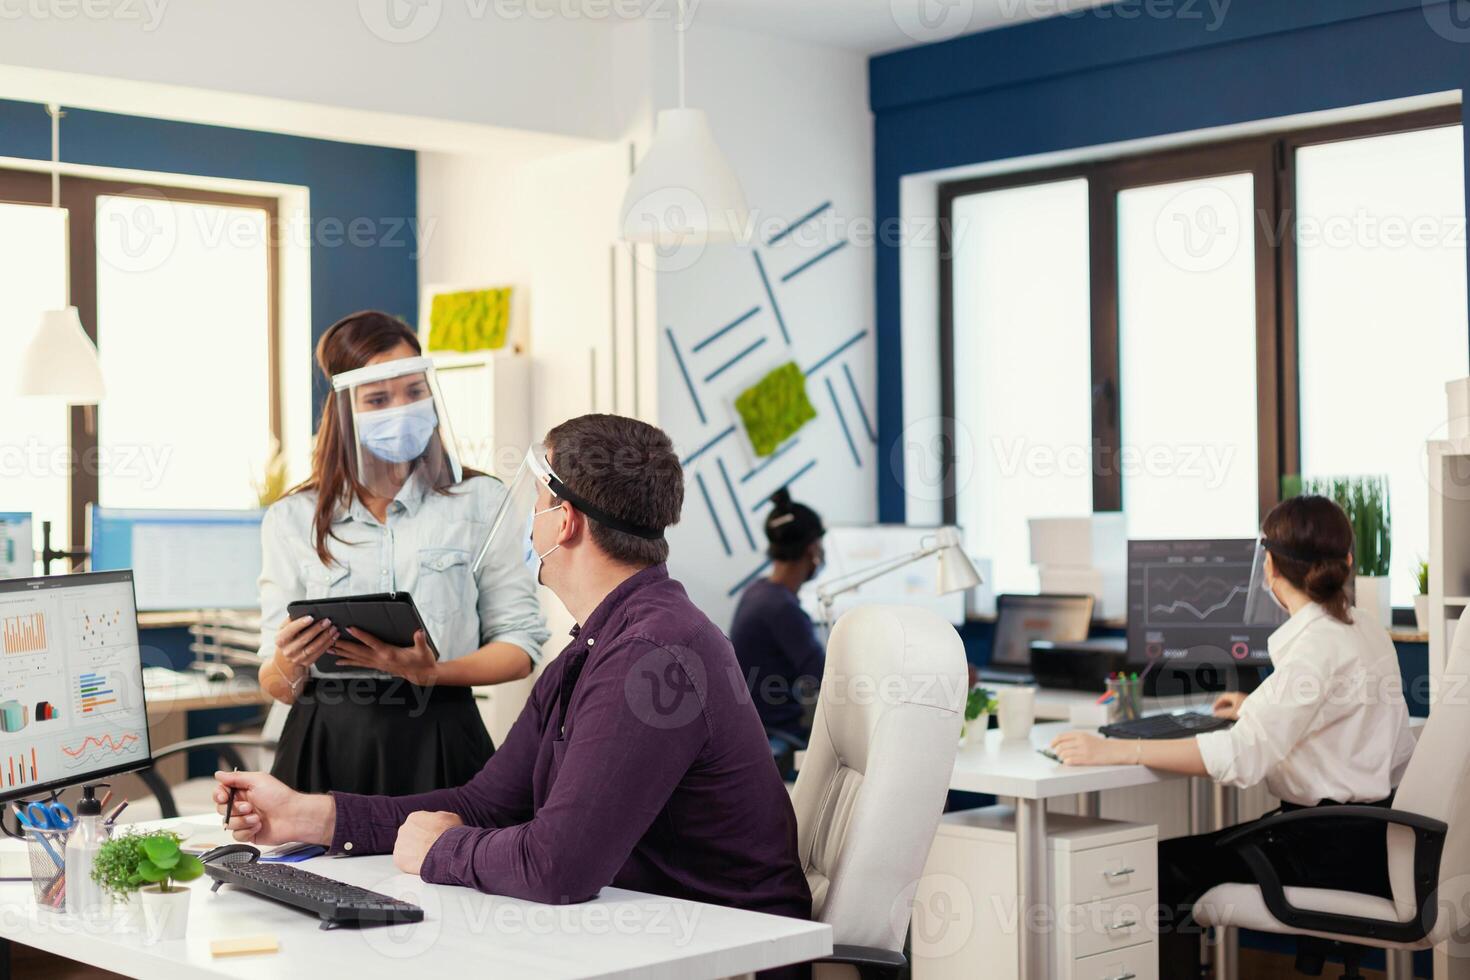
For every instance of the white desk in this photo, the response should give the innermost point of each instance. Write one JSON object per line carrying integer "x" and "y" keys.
{"x": 1018, "y": 770}
{"x": 464, "y": 934}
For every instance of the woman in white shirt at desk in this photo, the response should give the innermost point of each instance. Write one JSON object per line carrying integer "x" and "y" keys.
{"x": 1328, "y": 726}
{"x": 388, "y": 509}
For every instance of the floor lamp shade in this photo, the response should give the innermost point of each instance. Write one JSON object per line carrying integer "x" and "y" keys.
{"x": 683, "y": 191}
{"x": 61, "y": 361}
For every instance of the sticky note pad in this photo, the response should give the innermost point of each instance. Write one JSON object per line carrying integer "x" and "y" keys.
{"x": 244, "y": 946}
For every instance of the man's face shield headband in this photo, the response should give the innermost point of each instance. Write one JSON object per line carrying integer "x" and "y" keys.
{"x": 509, "y": 526}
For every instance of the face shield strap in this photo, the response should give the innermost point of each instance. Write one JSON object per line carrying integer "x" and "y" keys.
{"x": 1292, "y": 554}
{"x": 599, "y": 515}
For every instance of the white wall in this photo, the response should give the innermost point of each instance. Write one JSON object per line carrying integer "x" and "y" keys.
{"x": 793, "y": 120}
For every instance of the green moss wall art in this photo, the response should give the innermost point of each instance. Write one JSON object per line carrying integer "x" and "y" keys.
{"x": 469, "y": 320}
{"x": 774, "y": 408}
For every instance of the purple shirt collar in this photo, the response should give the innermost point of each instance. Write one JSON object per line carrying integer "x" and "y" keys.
{"x": 615, "y": 599}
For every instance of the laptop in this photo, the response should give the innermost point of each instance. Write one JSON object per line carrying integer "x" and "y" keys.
{"x": 1020, "y": 619}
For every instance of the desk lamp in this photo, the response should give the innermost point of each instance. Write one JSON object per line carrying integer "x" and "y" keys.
{"x": 954, "y": 571}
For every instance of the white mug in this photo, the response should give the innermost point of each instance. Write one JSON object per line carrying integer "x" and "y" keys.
{"x": 1017, "y": 712}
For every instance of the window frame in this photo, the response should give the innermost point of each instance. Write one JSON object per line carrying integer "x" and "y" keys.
{"x": 79, "y": 197}
{"x": 1271, "y": 159}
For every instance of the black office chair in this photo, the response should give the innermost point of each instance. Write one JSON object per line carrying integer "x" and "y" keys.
{"x": 226, "y": 747}
{"x": 1428, "y": 838}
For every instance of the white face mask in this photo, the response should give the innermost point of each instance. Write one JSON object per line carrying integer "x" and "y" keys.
{"x": 399, "y": 434}
{"x": 533, "y": 560}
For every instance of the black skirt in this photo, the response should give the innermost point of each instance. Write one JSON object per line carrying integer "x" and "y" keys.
{"x": 381, "y": 736}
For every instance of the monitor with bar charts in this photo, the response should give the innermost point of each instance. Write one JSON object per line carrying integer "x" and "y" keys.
{"x": 71, "y": 682}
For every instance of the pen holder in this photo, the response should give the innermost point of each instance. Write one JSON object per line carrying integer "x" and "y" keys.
{"x": 47, "y": 851}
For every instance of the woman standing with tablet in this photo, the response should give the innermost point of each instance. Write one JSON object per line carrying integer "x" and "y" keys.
{"x": 388, "y": 509}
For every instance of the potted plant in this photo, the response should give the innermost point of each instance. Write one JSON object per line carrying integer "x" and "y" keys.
{"x": 1365, "y": 501}
{"x": 152, "y": 865}
{"x": 979, "y": 706}
{"x": 1421, "y": 595}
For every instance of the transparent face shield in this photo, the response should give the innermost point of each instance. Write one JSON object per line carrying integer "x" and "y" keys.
{"x": 394, "y": 426}
{"x": 508, "y": 544}
{"x": 1261, "y": 606}
{"x": 532, "y": 495}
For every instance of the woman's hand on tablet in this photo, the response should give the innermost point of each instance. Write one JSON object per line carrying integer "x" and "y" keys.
{"x": 415, "y": 664}
{"x": 300, "y": 642}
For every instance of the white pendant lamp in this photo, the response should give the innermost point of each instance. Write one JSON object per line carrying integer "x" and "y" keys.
{"x": 683, "y": 190}
{"x": 60, "y": 360}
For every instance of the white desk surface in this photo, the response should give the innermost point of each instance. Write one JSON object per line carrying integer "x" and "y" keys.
{"x": 464, "y": 934}
{"x": 1016, "y": 768}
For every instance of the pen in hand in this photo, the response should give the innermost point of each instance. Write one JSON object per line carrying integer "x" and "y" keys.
{"x": 230, "y": 804}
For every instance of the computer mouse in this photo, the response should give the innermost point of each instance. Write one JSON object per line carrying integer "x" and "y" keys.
{"x": 231, "y": 854}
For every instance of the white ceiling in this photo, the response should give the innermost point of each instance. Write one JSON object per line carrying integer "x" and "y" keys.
{"x": 871, "y": 26}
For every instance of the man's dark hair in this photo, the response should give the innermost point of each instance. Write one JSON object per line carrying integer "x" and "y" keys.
{"x": 627, "y": 469}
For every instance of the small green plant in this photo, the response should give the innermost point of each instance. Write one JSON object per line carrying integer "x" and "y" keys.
{"x": 1421, "y": 576}
{"x": 980, "y": 702}
{"x": 1365, "y": 501}
{"x": 128, "y": 862}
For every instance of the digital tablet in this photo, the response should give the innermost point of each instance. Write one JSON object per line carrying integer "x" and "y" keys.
{"x": 390, "y": 616}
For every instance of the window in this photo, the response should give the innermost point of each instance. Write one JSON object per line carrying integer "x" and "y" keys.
{"x": 188, "y": 308}
{"x": 33, "y": 432}
{"x": 1021, "y": 297}
{"x": 1280, "y": 304}
{"x": 1187, "y": 358}
{"x": 1381, "y": 314}
{"x": 179, "y": 288}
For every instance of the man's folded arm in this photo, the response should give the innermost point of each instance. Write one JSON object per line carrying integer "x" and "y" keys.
{"x": 640, "y": 723}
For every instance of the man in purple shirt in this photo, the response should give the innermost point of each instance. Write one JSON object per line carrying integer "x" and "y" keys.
{"x": 639, "y": 760}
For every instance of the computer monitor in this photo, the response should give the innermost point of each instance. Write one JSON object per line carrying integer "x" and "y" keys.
{"x": 181, "y": 559}
{"x": 851, "y": 549}
{"x": 17, "y": 545}
{"x": 71, "y": 682}
{"x": 1186, "y": 604}
{"x": 1019, "y": 619}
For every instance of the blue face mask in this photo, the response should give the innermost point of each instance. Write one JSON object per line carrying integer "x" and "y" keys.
{"x": 399, "y": 434}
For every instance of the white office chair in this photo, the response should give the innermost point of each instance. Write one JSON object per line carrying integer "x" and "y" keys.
{"x": 873, "y": 783}
{"x": 1428, "y": 848}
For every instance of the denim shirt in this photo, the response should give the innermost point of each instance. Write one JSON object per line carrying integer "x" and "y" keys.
{"x": 426, "y": 548}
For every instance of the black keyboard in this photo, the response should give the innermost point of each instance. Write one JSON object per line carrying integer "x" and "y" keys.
{"x": 1182, "y": 725}
{"x": 334, "y": 902}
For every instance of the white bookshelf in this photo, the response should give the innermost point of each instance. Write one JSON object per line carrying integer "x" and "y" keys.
{"x": 1448, "y": 476}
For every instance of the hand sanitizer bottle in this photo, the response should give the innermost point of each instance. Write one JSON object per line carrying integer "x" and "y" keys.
{"x": 84, "y": 897}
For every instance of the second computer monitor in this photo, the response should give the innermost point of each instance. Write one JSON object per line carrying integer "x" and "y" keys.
{"x": 1020, "y": 619}
{"x": 1186, "y": 604}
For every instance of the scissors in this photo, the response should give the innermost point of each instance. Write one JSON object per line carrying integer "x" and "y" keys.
{"x": 50, "y": 815}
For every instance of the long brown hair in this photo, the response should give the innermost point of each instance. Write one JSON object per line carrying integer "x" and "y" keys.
{"x": 1311, "y": 544}
{"x": 348, "y": 344}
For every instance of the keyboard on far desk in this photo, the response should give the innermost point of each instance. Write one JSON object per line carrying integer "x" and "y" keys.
{"x": 1181, "y": 725}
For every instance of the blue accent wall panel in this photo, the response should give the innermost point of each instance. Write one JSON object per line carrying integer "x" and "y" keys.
{"x": 1092, "y": 78}
{"x": 347, "y": 182}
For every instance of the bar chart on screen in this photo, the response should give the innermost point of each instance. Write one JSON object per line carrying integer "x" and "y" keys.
{"x": 19, "y": 767}
{"x": 23, "y": 633}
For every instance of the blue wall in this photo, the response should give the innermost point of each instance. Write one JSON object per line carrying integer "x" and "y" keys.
{"x": 347, "y": 182}
{"x": 1117, "y": 73}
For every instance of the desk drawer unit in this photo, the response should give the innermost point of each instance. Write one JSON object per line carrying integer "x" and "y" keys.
{"x": 1103, "y": 887}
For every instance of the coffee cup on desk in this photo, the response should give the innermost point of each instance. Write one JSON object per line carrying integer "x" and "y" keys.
{"x": 1017, "y": 712}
